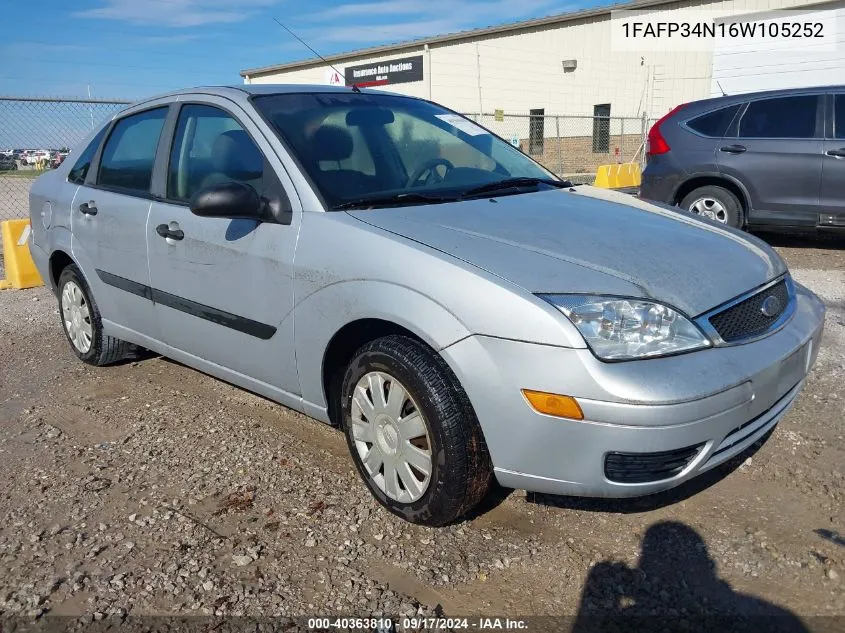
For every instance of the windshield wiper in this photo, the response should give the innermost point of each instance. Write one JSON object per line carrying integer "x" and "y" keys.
{"x": 512, "y": 184}
{"x": 394, "y": 199}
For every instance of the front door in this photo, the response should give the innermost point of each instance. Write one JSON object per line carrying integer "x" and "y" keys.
{"x": 223, "y": 288}
{"x": 776, "y": 155}
{"x": 109, "y": 224}
{"x": 832, "y": 199}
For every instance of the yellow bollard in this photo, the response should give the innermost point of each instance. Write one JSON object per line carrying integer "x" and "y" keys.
{"x": 20, "y": 269}
{"x": 618, "y": 176}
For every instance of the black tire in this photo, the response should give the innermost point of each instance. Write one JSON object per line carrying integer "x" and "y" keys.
{"x": 104, "y": 349}
{"x": 729, "y": 202}
{"x": 461, "y": 467}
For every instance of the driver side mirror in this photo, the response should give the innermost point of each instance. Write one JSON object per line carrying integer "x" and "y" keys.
{"x": 230, "y": 200}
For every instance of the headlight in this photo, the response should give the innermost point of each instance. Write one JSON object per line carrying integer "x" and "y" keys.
{"x": 624, "y": 329}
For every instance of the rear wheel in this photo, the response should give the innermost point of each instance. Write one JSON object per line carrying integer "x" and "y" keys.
{"x": 82, "y": 323}
{"x": 412, "y": 432}
{"x": 715, "y": 203}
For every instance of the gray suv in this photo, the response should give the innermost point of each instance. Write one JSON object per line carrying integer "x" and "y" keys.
{"x": 763, "y": 160}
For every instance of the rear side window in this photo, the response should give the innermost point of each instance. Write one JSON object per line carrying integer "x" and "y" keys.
{"x": 80, "y": 168}
{"x": 714, "y": 124}
{"x": 130, "y": 151}
{"x": 784, "y": 117}
{"x": 839, "y": 116}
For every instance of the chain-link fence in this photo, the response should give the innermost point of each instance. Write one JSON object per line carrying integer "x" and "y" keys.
{"x": 572, "y": 147}
{"x": 35, "y": 134}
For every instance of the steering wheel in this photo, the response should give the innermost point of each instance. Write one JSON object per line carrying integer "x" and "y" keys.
{"x": 428, "y": 167}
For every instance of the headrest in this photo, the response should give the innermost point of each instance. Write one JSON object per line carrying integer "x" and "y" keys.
{"x": 331, "y": 142}
{"x": 238, "y": 152}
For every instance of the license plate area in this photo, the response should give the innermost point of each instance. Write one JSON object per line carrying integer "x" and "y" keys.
{"x": 793, "y": 368}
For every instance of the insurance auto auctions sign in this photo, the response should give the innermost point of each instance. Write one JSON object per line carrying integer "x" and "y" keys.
{"x": 394, "y": 71}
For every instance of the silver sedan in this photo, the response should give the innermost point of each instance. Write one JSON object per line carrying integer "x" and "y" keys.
{"x": 388, "y": 266}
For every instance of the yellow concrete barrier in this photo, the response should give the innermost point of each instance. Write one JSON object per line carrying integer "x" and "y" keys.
{"x": 606, "y": 176}
{"x": 20, "y": 269}
{"x": 618, "y": 176}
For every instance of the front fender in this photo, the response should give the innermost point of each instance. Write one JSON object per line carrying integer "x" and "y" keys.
{"x": 321, "y": 315}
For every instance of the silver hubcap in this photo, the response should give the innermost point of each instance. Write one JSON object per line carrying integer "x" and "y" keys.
{"x": 77, "y": 317}
{"x": 391, "y": 437}
{"x": 710, "y": 208}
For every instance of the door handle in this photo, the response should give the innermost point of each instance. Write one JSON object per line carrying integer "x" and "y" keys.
{"x": 166, "y": 232}
{"x": 733, "y": 149}
{"x": 88, "y": 208}
{"x": 836, "y": 153}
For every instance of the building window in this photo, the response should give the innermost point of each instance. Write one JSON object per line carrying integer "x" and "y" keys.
{"x": 535, "y": 131}
{"x": 601, "y": 128}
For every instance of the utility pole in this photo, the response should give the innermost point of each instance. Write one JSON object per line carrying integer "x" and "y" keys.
{"x": 90, "y": 109}
{"x": 478, "y": 77}
{"x": 428, "y": 66}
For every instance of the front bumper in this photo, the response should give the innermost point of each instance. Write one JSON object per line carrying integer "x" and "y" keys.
{"x": 721, "y": 399}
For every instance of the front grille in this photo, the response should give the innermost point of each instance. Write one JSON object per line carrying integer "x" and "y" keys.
{"x": 746, "y": 318}
{"x": 638, "y": 468}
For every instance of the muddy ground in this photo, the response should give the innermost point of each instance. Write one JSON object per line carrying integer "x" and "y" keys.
{"x": 149, "y": 488}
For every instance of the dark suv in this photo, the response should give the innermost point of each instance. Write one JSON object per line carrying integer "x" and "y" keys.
{"x": 767, "y": 159}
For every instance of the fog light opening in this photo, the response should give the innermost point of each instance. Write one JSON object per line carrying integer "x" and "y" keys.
{"x": 554, "y": 404}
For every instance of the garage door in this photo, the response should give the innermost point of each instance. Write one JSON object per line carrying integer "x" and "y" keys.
{"x": 746, "y": 65}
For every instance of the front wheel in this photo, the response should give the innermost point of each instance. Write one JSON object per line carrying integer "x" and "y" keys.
{"x": 412, "y": 432}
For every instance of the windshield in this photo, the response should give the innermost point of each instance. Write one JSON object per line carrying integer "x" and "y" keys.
{"x": 365, "y": 147}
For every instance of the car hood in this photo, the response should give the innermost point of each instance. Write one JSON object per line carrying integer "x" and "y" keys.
{"x": 591, "y": 242}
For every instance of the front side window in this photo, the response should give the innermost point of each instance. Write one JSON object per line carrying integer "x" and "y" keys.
{"x": 356, "y": 146}
{"x": 130, "y": 151}
{"x": 211, "y": 148}
{"x": 783, "y": 117}
{"x": 80, "y": 168}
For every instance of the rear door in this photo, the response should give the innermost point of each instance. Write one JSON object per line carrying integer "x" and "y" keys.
{"x": 109, "y": 222}
{"x": 832, "y": 198}
{"x": 774, "y": 150}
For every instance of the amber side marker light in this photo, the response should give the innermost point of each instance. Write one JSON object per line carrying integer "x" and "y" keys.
{"x": 554, "y": 404}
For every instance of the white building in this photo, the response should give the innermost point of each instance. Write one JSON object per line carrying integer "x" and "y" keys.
{"x": 580, "y": 64}
{"x": 519, "y": 67}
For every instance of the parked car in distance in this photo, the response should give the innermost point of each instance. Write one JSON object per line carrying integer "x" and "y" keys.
{"x": 7, "y": 163}
{"x": 773, "y": 160}
{"x": 57, "y": 159}
{"x": 388, "y": 266}
{"x": 36, "y": 156}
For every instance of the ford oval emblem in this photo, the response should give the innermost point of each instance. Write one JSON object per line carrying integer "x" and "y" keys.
{"x": 770, "y": 306}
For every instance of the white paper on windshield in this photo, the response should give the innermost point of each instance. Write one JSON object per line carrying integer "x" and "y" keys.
{"x": 464, "y": 125}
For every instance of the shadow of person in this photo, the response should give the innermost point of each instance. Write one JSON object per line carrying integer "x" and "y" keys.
{"x": 674, "y": 588}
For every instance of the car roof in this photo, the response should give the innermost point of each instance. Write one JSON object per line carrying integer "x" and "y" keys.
{"x": 749, "y": 96}
{"x": 242, "y": 91}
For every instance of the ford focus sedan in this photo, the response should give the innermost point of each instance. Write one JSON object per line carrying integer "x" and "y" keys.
{"x": 385, "y": 265}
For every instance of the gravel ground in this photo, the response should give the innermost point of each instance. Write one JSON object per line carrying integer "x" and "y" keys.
{"x": 148, "y": 488}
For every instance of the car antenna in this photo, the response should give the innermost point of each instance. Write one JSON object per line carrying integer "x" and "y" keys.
{"x": 724, "y": 94}
{"x": 355, "y": 88}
